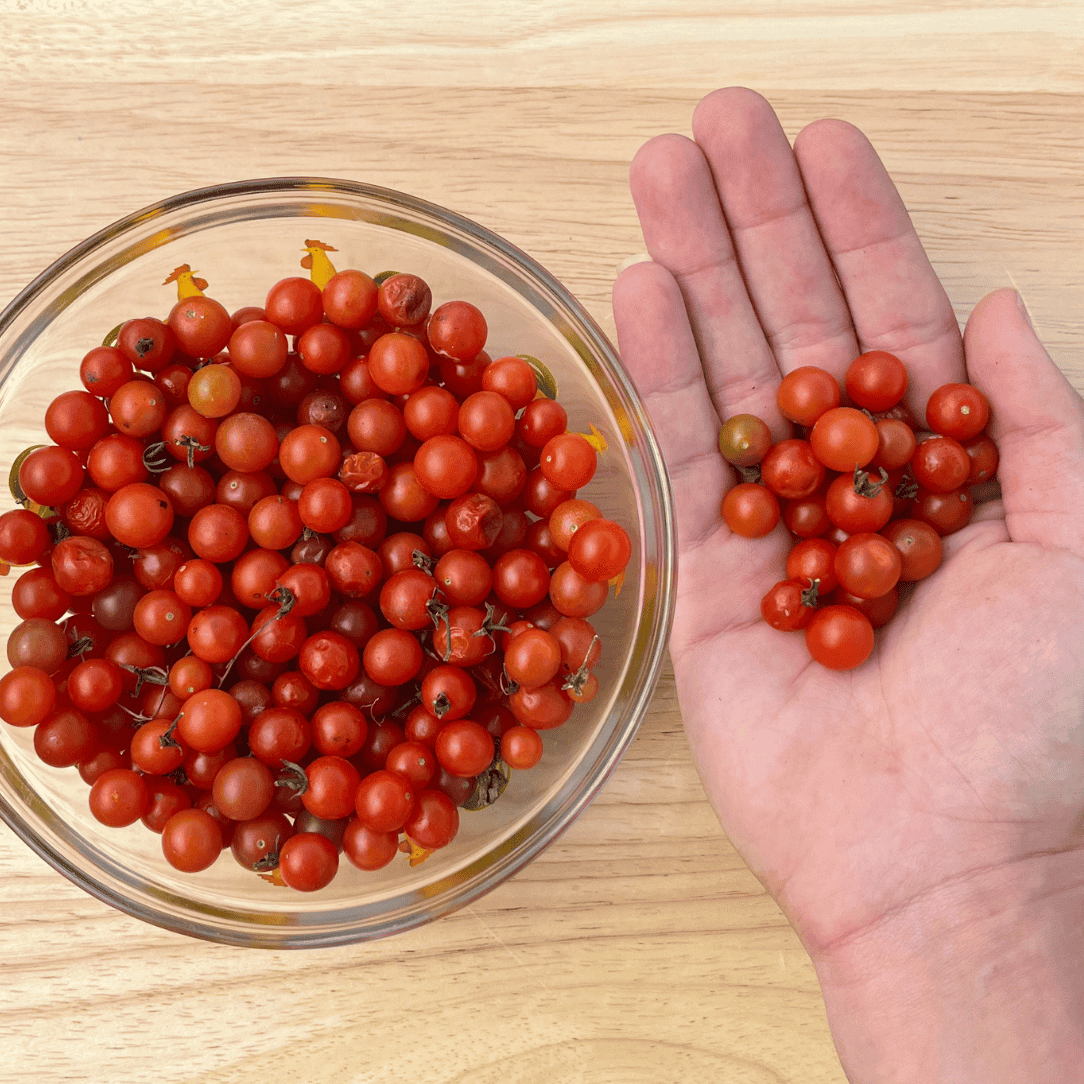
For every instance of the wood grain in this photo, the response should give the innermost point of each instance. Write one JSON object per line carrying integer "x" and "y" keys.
{"x": 638, "y": 947}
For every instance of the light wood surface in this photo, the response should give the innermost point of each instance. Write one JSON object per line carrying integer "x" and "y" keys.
{"x": 638, "y": 948}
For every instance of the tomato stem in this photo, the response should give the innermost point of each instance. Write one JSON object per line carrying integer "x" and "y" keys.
{"x": 293, "y": 777}
{"x": 152, "y": 675}
{"x": 490, "y": 783}
{"x": 907, "y": 488}
{"x": 155, "y": 458}
{"x": 811, "y": 594}
{"x": 286, "y": 599}
{"x": 578, "y": 678}
{"x": 80, "y": 647}
{"x": 166, "y": 740}
{"x": 865, "y": 486}
{"x": 193, "y": 446}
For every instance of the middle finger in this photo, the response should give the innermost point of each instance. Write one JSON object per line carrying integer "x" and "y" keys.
{"x": 787, "y": 269}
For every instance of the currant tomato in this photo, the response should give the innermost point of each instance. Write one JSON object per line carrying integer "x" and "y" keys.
{"x": 839, "y": 637}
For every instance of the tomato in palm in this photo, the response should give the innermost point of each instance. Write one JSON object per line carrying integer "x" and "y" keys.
{"x": 839, "y": 637}
{"x": 876, "y": 380}
{"x": 784, "y": 608}
{"x": 940, "y": 464}
{"x": 897, "y": 444}
{"x": 879, "y": 611}
{"x": 808, "y": 517}
{"x": 959, "y": 411}
{"x": 813, "y": 559}
{"x": 867, "y": 565}
{"x": 983, "y": 453}
{"x": 750, "y": 510}
{"x": 920, "y": 547}
{"x": 844, "y": 438}
{"x": 805, "y": 393}
{"x": 945, "y": 512}
{"x": 859, "y": 503}
{"x": 744, "y": 440}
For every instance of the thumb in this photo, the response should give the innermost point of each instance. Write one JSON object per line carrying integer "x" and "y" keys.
{"x": 1036, "y": 420}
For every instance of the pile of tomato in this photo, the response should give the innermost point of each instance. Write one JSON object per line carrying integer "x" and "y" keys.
{"x": 866, "y": 491}
{"x": 310, "y": 577}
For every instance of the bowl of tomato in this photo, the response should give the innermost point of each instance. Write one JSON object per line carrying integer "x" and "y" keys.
{"x": 338, "y": 562}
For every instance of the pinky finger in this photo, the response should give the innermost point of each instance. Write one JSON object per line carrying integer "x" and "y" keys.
{"x": 658, "y": 350}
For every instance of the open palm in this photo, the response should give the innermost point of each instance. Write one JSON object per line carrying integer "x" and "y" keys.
{"x": 956, "y": 752}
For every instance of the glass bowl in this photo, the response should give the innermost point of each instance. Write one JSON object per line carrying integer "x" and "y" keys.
{"x": 242, "y": 238}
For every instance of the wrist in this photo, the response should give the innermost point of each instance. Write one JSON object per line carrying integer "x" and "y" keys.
{"x": 979, "y": 980}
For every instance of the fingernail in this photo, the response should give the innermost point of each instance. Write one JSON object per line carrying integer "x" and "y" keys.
{"x": 639, "y": 257}
{"x": 1024, "y": 310}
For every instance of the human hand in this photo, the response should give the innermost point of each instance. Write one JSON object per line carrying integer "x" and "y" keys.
{"x": 941, "y": 783}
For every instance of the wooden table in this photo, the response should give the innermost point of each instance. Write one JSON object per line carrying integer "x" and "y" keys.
{"x": 638, "y": 947}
